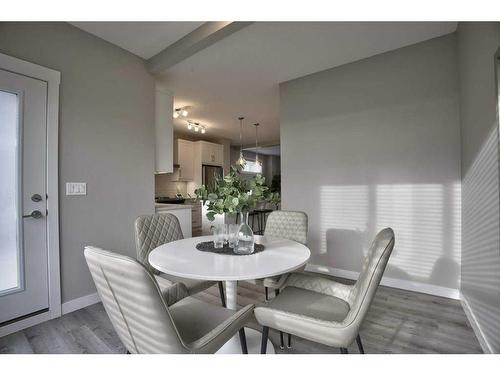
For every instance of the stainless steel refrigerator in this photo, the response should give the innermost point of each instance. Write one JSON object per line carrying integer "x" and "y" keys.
{"x": 209, "y": 174}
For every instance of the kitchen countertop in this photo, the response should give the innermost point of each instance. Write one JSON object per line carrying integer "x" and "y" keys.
{"x": 173, "y": 206}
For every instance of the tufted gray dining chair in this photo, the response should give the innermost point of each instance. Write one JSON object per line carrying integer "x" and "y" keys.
{"x": 143, "y": 319}
{"x": 291, "y": 225}
{"x": 322, "y": 310}
{"x": 154, "y": 230}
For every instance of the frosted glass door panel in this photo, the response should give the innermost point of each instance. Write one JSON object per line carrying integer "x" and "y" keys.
{"x": 23, "y": 196}
{"x": 10, "y": 244}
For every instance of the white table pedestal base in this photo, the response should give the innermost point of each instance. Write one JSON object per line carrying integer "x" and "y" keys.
{"x": 253, "y": 337}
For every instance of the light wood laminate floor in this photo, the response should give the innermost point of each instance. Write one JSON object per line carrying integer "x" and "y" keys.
{"x": 398, "y": 322}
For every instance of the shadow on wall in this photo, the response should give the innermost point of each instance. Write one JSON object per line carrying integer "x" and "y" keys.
{"x": 352, "y": 243}
{"x": 425, "y": 217}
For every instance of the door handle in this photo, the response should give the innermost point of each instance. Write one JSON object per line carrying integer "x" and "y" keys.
{"x": 34, "y": 214}
{"x": 36, "y": 198}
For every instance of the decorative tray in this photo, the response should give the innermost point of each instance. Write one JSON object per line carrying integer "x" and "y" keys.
{"x": 209, "y": 246}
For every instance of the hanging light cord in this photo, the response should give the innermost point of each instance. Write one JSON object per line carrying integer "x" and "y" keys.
{"x": 256, "y": 143}
{"x": 241, "y": 131}
{"x": 241, "y": 118}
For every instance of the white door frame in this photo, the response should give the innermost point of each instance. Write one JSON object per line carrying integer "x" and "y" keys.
{"x": 53, "y": 79}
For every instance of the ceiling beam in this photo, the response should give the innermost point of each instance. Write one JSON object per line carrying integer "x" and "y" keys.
{"x": 200, "y": 38}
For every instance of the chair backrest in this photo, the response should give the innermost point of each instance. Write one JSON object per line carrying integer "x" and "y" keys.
{"x": 291, "y": 225}
{"x": 134, "y": 303}
{"x": 361, "y": 296}
{"x": 152, "y": 231}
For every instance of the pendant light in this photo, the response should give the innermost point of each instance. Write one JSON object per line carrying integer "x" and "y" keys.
{"x": 257, "y": 161}
{"x": 241, "y": 161}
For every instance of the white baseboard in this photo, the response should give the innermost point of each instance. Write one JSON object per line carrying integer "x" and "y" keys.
{"x": 475, "y": 325}
{"x": 434, "y": 290}
{"x": 80, "y": 303}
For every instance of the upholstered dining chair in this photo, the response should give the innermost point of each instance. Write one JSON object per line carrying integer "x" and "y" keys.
{"x": 143, "y": 319}
{"x": 322, "y": 310}
{"x": 291, "y": 225}
{"x": 154, "y": 230}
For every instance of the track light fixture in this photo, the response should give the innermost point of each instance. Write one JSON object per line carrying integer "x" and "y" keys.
{"x": 181, "y": 111}
{"x": 196, "y": 127}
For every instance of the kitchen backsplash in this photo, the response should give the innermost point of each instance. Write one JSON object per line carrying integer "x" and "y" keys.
{"x": 165, "y": 187}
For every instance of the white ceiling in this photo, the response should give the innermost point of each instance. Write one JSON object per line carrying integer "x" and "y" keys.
{"x": 240, "y": 74}
{"x": 145, "y": 39}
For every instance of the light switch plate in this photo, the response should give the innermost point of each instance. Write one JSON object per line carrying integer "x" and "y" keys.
{"x": 76, "y": 188}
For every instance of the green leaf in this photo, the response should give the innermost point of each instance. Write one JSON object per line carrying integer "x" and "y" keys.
{"x": 233, "y": 193}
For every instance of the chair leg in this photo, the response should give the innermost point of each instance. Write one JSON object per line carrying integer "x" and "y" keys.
{"x": 267, "y": 293}
{"x": 360, "y": 344}
{"x": 289, "y": 345}
{"x": 343, "y": 351}
{"x": 221, "y": 292}
{"x": 282, "y": 343}
{"x": 243, "y": 341}
{"x": 265, "y": 335}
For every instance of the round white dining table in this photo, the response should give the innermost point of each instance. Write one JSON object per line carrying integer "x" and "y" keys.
{"x": 181, "y": 258}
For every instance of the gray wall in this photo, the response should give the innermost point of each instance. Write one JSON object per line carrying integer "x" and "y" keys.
{"x": 376, "y": 143}
{"x": 106, "y": 139}
{"x": 480, "y": 287}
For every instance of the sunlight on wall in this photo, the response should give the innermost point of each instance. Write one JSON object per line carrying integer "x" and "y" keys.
{"x": 456, "y": 222}
{"x": 425, "y": 217}
{"x": 480, "y": 254}
{"x": 415, "y": 212}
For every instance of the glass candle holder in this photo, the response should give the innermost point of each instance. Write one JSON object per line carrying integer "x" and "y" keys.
{"x": 220, "y": 235}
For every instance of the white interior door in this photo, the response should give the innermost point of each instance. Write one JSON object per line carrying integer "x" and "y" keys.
{"x": 23, "y": 206}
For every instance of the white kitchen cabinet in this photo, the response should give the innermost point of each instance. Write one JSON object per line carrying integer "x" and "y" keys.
{"x": 212, "y": 153}
{"x": 182, "y": 212}
{"x": 183, "y": 156}
{"x": 164, "y": 131}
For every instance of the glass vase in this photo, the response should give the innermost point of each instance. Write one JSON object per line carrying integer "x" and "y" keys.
{"x": 245, "y": 236}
